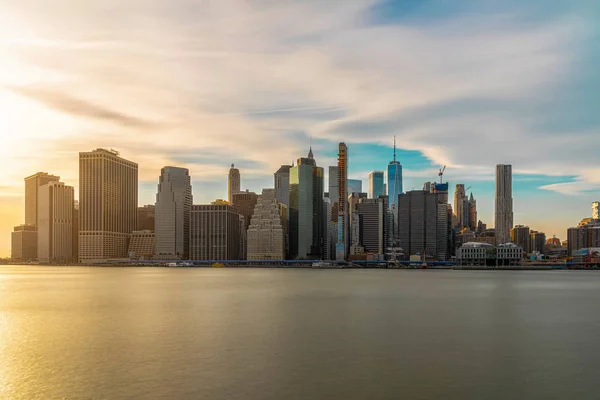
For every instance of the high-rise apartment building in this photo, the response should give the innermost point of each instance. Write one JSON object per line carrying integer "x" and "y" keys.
{"x": 55, "y": 222}
{"x": 306, "y": 209}
{"x": 215, "y": 231}
{"x": 32, "y": 183}
{"x": 394, "y": 180}
{"x": 372, "y": 219}
{"x": 519, "y": 235}
{"x": 334, "y": 193}
{"x": 596, "y": 210}
{"x": 24, "y": 243}
{"x": 234, "y": 183}
{"x": 354, "y": 186}
{"x": 282, "y": 185}
{"x": 108, "y": 196}
{"x": 504, "y": 203}
{"x": 146, "y": 217}
{"x": 460, "y": 198}
{"x": 341, "y": 247}
{"x": 172, "y": 213}
{"x": 376, "y": 185}
{"x": 537, "y": 241}
{"x": 267, "y": 231}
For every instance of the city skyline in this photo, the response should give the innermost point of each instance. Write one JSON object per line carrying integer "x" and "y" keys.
{"x": 446, "y": 107}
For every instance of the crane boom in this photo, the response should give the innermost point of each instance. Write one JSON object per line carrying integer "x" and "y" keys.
{"x": 441, "y": 173}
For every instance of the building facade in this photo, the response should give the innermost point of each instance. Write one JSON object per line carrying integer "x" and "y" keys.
{"x": 172, "y": 214}
{"x": 282, "y": 185}
{"x": 32, "y": 183}
{"x": 519, "y": 235}
{"x": 472, "y": 213}
{"x": 146, "y": 217}
{"x": 537, "y": 241}
{"x": 504, "y": 203}
{"x": 267, "y": 230}
{"x": 460, "y": 198}
{"x": 596, "y": 210}
{"x": 372, "y": 219}
{"x": 24, "y": 243}
{"x": 234, "y": 183}
{"x": 376, "y": 185}
{"x": 55, "y": 222}
{"x": 343, "y": 241}
{"x": 394, "y": 180}
{"x": 141, "y": 245}
{"x": 108, "y": 196}
{"x": 306, "y": 209}
{"x": 354, "y": 186}
{"x": 215, "y": 232}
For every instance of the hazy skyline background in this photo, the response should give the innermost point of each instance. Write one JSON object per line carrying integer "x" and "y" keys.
{"x": 203, "y": 84}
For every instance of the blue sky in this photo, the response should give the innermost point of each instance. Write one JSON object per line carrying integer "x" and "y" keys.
{"x": 202, "y": 84}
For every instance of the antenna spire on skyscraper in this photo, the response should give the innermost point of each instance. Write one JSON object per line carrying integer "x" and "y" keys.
{"x": 394, "y": 147}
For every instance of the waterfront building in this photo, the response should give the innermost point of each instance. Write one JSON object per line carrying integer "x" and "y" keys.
{"x": 282, "y": 185}
{"x": 141, "y": 245}
{"x": 376, "y": 185}
{"x": 394, "y": 180}
{"x": 485, "y": 254}
{"x": 520, "y": 235}
{"x": 146, "y": 217}
{"x": 504, "y": 203}
{"x": 215, "y": 232}
{"x": 32, "y": 183}
{"x": 75, "y": 231}
{"x": 173, "y": 205}
{"x": 234, "y": 183}
{"x": 537, "y": 241}
{"x": 586, "y": 235}
{"x": 341, "y": 248}
{"x": 372, "y": 215}
{"x": 329, "y": 235}
{"x": 55, "y": 222}
{"x": 108, "y": 197}
{"x": 244, "y": 203}
{"x": 24, "y": 243}
{"x": 267, "y": 233}
{"x": 354, "y": 186}
{"x": 306, "y": 209}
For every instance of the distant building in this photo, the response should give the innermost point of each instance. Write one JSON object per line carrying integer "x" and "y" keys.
{"x": 394, "y": 180}
{"x": 343, "y": 240}
{"x": 376, "y": 185}
{"x": 244, "y": 203}
{"x": 24, "y": 243}
{"x": 372, "y": 220}
{"x": 537, "y": 241}
{"x": 520, "y": 235}
{"x": 481, "y": 227}
{"x": 32, "y": 183}
{"x": 141, "y": 245}
{"x": 354, "y": 186}
{"x": 504, "y": 203}
{"x": 586, "y": 235}
{"x": 306, "y": 209}
{"x": 460, "y": 198}
{"x": 172, "y": 212}
{"x": 484, "y": 254}
{"x": 282, "y": 185}
{"x": 234, "y": 183}
{"x": 334, "y": 193}
{"x": 214, "y": 232}
{"x": 105, "y": 226}
{"x": 596, "y": 210}
{"x": 146, "y": 217}
{"x": 267, "y": 231}
{"x": 553, "y": 242}
{"x": 472, "y": 204}
{"x": 75, "y": 231}
{"x": 55, "y": 222}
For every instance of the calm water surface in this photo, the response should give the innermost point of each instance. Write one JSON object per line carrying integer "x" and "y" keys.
{"x": 144, "y": 333}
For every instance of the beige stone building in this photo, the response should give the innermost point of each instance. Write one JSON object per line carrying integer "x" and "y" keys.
{"x": 267, "y": 230}
{"x": 141, "y": 245}
{"x": 55, "y": 222}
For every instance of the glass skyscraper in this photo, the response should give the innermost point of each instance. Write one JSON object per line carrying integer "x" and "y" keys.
{"x": 376, "y": 186}
{"x": 394, "y": 180}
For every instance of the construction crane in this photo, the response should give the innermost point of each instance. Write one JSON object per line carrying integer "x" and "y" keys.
{"x": 441, "y": 173}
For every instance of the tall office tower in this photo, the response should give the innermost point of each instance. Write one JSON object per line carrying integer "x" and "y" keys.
{"x": 596, "y": 210}
{"x": 328, "y": 235}
{"x": 444, "y": 223}
{"x": 172, "y": 213}
{"x": 244, "y": 203}
{"x": 146, "y": 217}
{"x": 354, "y": 186}
{"x": 75, "y": 231}
{"x": 141, "y": 245}
{"x": 282, "y": 185}
{"x": 519, "y": 235}
{"x": 394, "y": 180}
{"x": 334, "y": 193}
{"x": 266, "y": 234}
{"x": 354, "y": 220}
{"x": 24, "y": 243}
{"x": 306, "y": 209}
{"x": 504, "y": 203}
{"x": 32, "y": 183}
{"x": 214, "y": 232}
{"x": 472, "y": 203}
{"x": 460, "y": 198}
{"x": 537, "y": 241}
{"x": 341, "y": 247}
{"x": 376, "y": 186}
{"x": 372, "y": 218}
{"x": 108, "y": 196}
{"x": 418, "y": 217}
{"x": 234, "y": 183}
{"x": 55, "y": 222}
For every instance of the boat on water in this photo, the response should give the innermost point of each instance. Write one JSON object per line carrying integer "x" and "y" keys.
{"x": 180, "y": 264}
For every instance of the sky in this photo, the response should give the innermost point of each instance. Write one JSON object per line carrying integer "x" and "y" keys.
{"x": 205, "y": 83}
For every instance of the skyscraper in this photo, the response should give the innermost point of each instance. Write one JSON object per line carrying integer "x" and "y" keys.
{"x": 24, "y": 243}
{"x": 244, "y": 203}
{"x": 372, "y": 218}
{"x": 146, "y": 217}
{"x": 460, "y": 198}
{"x": 108, "y": 196}
{"x": 354, "y": 186}
{"x": 32, "y": 183}
{"x": 519, "y": 235}
{"x": 394, "y": 180}
{"x": 418, "y": 223}
{"x": 172, "y": 214}
{"x": 306, "y": 209}
{"x": 266, "y": 234}
{"x": 282, "y": 184}
{"x": 472, "y": 203}
{"x": 376, "y": 186}
{"x": 234, "y": 182}
{"x": 215, "y": 232}
{"x": 55, "y": 222}
{"x": 537, "y": 241}
{"x": 341, "y": 247}
{"x": 504, "y": 203}
{"x": 596, "y": 210}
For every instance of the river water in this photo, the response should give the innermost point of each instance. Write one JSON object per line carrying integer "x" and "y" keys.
{"x": 159, "y": 333}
